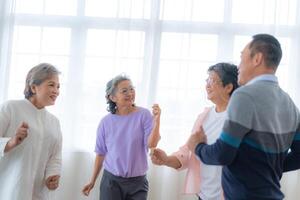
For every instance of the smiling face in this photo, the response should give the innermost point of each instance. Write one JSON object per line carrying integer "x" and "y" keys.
{"x": 46, "y": 93}
{"x": 216, "y": 91}
{"x": 213, "y": 86}
{"x": 124, "y": 96}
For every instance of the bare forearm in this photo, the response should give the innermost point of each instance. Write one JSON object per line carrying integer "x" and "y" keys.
{"x": 97, "y": 167}
{"x": 155, "y": 135}
{"x": 172, "y": 161}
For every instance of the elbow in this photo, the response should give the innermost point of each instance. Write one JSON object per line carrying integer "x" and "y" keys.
{"x": 225, "y": 160}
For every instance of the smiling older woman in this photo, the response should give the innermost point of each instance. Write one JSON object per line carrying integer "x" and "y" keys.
{"x": 124, "y": 137}
{"x": 30, "y": 139}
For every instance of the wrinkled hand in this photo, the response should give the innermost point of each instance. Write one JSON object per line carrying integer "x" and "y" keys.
{"x": 17, "y": 139}
{"x": 87, "y": 188}
{"x": 159, "y": 157}
{"x": 52, "y": 182}
{"x": 196, "y": 138}
{"x": 156, "y": 111}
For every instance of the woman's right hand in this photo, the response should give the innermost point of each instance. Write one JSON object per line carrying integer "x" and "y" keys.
{"x": 97, "y": 167}
{"x": 87, "y": 188}
{"x": 17, "y": 139}
{"x": 159, "y": 157}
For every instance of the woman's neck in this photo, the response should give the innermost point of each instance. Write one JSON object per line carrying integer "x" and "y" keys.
{"x": 36, "y": 103}
{"x": 221, "y": 106}
{"x": 125, "y": 110}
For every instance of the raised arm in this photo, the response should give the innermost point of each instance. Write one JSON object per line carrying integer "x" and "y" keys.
{"x": 154, "y": 136}
{"x": 17, "y": 139}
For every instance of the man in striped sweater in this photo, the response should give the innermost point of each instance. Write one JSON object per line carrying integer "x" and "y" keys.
{"x": 261, "y": 135}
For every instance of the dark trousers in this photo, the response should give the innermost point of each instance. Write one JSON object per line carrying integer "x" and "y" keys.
{"x": 118, "y": 188}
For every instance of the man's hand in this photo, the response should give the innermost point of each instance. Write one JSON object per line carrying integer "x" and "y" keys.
{"x": 17, "y": 139}
{"x": 196, "y": 138}
{"x": 52, "y": 182}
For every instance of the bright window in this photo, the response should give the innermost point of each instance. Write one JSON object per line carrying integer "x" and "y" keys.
{"x": 165, "y": 46}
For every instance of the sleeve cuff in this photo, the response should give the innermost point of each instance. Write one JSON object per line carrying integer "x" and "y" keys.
{"x": 183, "y": 165}
{"x": 52, "y": 173}
{"x": 3, "y": 142}
{"x": 183, "y": 155}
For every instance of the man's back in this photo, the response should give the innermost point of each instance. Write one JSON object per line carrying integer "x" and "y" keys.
{"x": 261, "y": 136}
{"x": 265, "y": 119}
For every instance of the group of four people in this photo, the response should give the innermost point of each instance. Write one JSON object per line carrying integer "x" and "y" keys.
{"x": 238, "y": 148}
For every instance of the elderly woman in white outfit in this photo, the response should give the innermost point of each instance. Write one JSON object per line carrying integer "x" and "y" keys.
{"x": 201, "y": 179}
{"x": 30, "y": 139}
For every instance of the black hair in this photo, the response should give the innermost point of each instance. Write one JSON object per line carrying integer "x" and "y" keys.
{"x": 228, "y": 74}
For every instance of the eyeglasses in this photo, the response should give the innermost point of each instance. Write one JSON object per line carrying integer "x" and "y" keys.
{"x": 211, "y": 81}
{"x": 126, "y": 91}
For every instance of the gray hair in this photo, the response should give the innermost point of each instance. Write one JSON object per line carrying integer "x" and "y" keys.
{"x": 38, "y": 75}
{"x": 111, "y": 87}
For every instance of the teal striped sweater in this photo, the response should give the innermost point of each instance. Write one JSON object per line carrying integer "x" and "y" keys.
{"x": 260, "y": 140}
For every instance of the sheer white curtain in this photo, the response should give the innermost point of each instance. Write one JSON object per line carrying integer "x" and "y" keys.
{"x": 6, "y": 30}
{"x": 165, "y": 46}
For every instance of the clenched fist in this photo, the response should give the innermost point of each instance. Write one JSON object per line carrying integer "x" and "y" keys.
{"x": 17, "y": 139}
{"x": 87, "y": 188}
{"x": 159, "y": 157}
{"x": 156, "y": 111}
{"x": 52, "y": 182}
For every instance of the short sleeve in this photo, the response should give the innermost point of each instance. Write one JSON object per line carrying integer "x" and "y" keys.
{"x": 100, "y": 147}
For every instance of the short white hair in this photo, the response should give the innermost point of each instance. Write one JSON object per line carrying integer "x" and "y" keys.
{"x": 38, "y": 75}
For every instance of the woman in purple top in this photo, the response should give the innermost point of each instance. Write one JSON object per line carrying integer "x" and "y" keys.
{"x": 123, "y": 139}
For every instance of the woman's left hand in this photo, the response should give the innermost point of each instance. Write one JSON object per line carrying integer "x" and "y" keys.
{"x": 52, "y": 182}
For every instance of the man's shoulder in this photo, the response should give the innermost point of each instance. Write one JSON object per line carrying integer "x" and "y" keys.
{"x": 253, "y": 90}
{"x": 246, "y": 91}
{"x": 246, "y": 88}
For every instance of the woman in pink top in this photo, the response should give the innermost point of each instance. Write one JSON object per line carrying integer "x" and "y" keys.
{"x": 201, "y": 179}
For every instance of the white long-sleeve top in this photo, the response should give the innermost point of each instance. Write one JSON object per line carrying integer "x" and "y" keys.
{"x": 24, "y": 169}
